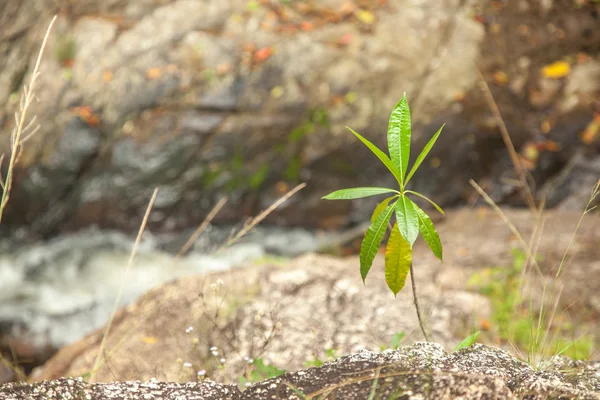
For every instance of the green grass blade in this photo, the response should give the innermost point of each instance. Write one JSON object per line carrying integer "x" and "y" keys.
{"x": 408, "y": 221}
{"x": 468, "y": 341}
{"x": 398, "y": 256}
{"x": 357, "y": 193}
{"x": 372, "y": 240}
{"x": 398, "y": 136}
{"x": 380, "y": 207}
{"x": 381, "y": 155}
{"x": 429, "y": 233}
{"x": 427, "y": 199}
{"x": 423, "y": 154}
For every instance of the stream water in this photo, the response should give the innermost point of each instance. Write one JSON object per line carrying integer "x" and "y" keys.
{"x": 55, "y": 292}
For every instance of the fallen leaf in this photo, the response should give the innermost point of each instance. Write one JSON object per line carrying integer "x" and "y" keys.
{"x": 277, "y": 91}
{"x": 351, "y": 97}
{"x": 107, "y": 76}
{"x": 551, "y": 145}
{"x": 500, "y": 78}
{"x": 345, "y": 40}
{"x": 87, "y": 115}
{"x": 306, "y": 26}
{"x": 485, "y": 324}
{"x": 556, "y": 70}
{"x": 263, "y": 54}
{"x": 546, "y": 126}
{"x": 590, "y": 133}
{"x": 530, "y": 152}
{"x": 153, "y": 73}
{"x": 366, "y": 17}
{"x": 149, "y": 339}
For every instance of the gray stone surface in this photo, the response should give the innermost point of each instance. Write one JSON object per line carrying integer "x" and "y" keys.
{"x": 207, "y": 98}
{"x": 423, "y": 370}
{"x": 179, "y": 96}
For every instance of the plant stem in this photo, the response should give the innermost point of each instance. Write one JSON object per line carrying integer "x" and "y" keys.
{"x": 416, "y": 301}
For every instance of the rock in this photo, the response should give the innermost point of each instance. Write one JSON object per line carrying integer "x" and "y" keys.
{"x": 229, "y": 104}
{"x": 77, "y": 388}
{"x": 426, "y": 370}
{"x": 413, "y": 372}
{"x": 218, "y": 105}
{"x": 319, "y": 303}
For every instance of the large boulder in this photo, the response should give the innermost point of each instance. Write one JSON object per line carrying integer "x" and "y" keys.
{"x": 213, "y": 98}
{"x": 423, "y": 370}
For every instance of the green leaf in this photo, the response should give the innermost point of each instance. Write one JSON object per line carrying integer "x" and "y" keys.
{"x": 372, "y": 240}
{"x": 398, "y": 256}
{"x": 381, "y": 155}
{"x": 357, "y": 193}
{"x": 427, "y": 199}
{"x": 429, "y": 233}
{"x": 399, "y": 136}
{"x": 423, "y": 154}
{"x": 468, "y": 341}
{"x": 380, "y": 207}
{"x": 408, "y": 221}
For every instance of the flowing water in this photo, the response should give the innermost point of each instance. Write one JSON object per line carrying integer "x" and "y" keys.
{"x": 55, "y": 292}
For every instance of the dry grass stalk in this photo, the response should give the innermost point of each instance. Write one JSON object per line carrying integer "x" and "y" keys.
{"x": 21, "y": 128}
{"x": 514, "y": 157}
{"x": 211, "y": 215}
{"x": 120, "y": 293}
{"x": 258, "y": 219}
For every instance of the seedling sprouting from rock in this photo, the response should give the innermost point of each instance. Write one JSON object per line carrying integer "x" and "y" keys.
{"x": 410, "y": 218}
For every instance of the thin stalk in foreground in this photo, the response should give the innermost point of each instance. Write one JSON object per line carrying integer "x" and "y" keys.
{"x": 588, "y": 208}
{"x": 514, "y": 157}
{"x": 15, "y": 138}
{"x": 256, "y": 220}
{"x": 416, "y": 301}
{"x": 211, "y": 215}
{"x": 120, "y": 293}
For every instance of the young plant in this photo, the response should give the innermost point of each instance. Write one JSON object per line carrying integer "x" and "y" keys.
{"x": 410, "y": 219}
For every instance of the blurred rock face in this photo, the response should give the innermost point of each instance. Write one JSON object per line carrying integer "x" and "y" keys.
{"x": 212, "y": 98}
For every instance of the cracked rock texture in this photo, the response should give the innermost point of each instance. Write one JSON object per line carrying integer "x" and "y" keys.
{"x": 423, "y": 370}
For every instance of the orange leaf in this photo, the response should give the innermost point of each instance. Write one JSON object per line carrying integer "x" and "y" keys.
{"x": 153, "y": 73}
{"x": 589, "y": 135}
{"x": 263, "y": 54}
{"x": 485, "y": 325}
{"x": 345, "y": 40}
{"x": 306, "y": 26}
{"x": 107, "y": 76}
{"x": 87, "y": 115}
{"x": 500, "y": 78}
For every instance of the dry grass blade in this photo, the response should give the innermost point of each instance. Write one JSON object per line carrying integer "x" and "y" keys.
{"x": 588, "y": 208}
{"x": 211, "y": 215}
{"x": 120, "y": 293}
{"x": 514, "y": 157}
{"x": 256, "y": 220}
{"x": 511, "y": 226}
{"x": 21, "y": 127}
